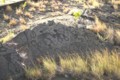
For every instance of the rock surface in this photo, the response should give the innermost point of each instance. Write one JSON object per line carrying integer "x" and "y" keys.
{"x": 10, "y": 67}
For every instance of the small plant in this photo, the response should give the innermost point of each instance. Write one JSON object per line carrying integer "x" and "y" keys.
{"x": 32, "y": 9}
{"x": 105, "y": 62}
{"x": 74, "y": 65}
{"x": 99, "y": 26}
{"x": 117, "y": 37}
{"x": 115, "y": 4}
{"x": 33, "y": 73}
{"x": 41, "y": 9}
{"x": 28, "y": 14}
{"x": 76, "y": 13}
{"x": 22, "y": 20}
{"x": 33, "y": 4}
{"x": 19, "y": 11}
{"x": 49, "y": 67}
{"x": 8, "y": 8}
{"x": 12, "y": 22}
{"x": 6, "y": 17}
{"x": 23, "y": 27}
{"x": 24, "y": 5}
{"x": 7, "y": 38}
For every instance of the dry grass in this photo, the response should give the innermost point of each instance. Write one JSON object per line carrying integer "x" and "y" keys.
{"x": 92, "y": 4}
{"x": 74, "y": 65}
{"x": 98, "y": 64}
{"x": 49, "y": 67}
{"x": 8, "y": 37}
{"x": 8, "y": 8}
{"x": 33, "y": 4}
{"x": 28, "y": 14}
{"x": 19, "y": 11}
{"x": 6, "y": 17}
{"x": 22, "y": 20}
{"x": 105, "y": 63}
{"x": 32, "y": 9}
{"x": 115, "y": 4}
{"x": 12, "y": 22}
{"x": 33, "y": 73}
{"x": 99, "y": 26}
{"x": 110, "y": 35}
{"x": 23, "y": 27}
{"x": 117, "y": 37}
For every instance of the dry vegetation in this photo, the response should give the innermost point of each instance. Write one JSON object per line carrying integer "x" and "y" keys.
{"x": 98, "y": 64}
{"x": 12, "y": 22}
{"x": 33, "y": 73}
{"x": 73, "y": 65}
{"x": 6, "y": 17}
{"x": 50, "y": 67}
{"x": 105, "y": 62}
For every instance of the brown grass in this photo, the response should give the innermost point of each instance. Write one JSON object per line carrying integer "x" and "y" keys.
{"x": 98, "y": 63}
{"x": 99, "y": 26}
{"x": 105, "y": 63}
{"x": 6, "y": 17}
{"x": 91, "y": 4}
{"x": 8, "y": 37}
{"x": 33, "y": 73}
{"x": 22, "y": 20}
{"x": 49, "y": 67}
{"x": 12, "y": 22}
{"x": 23, "y": 27}
{"x": 19, "y": 11}
{"x": 28, "y": 14}
{"x": 74, "y": 65}
{"x": 117, "y": 36}
{"x": 115, "y": 4}
{"x": 33, "y": 4}
{"x": 8, "y": 8}
{"x": 32, "y": 9}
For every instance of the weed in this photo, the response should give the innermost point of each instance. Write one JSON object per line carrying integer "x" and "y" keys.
{"x": 24, "y": 5}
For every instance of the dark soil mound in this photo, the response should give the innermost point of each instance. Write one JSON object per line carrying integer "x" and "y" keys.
{"x": 46, "y": 39}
